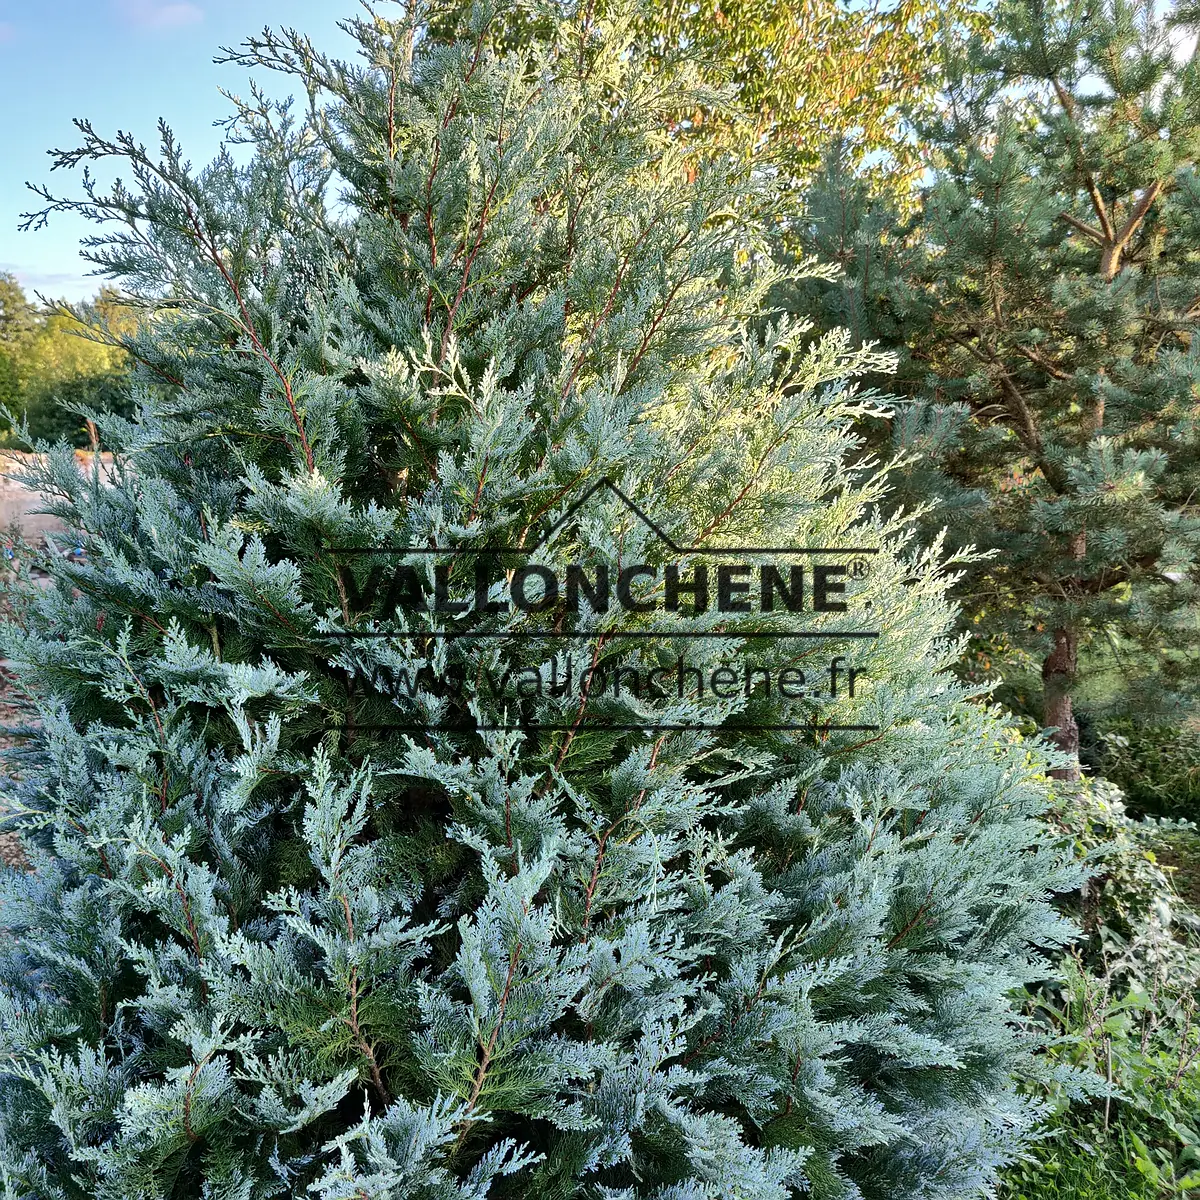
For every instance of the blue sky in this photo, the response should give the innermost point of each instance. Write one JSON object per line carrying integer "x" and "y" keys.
{"x": 123, "y": 64}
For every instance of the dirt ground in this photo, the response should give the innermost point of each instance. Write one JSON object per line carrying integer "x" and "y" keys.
{"x": 10, "y": 847}
{"x": 18, "y": 515}
{"x": 11, "y": 853}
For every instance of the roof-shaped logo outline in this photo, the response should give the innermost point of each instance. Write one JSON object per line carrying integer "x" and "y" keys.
{"x": 637, "y": 511}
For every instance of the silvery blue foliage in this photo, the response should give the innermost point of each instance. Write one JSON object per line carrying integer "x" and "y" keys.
{"x": 626, "y": 946}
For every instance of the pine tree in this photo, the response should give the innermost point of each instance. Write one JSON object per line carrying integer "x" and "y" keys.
{"x": 626, "y": 946}
{"x": 1048, "y": 296}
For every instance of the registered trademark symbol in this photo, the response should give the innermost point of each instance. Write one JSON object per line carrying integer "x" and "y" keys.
{"x": 859, "y": 569}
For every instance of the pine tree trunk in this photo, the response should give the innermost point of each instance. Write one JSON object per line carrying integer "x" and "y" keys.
{"x": 1110, "y": 261}
{"x": 1058, "y": 676}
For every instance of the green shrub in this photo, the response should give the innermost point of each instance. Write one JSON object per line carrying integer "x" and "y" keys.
{"x": 1122, "y": 1023}
{"x": 1156, "y": 766}
{"x": 1131, "y": 884}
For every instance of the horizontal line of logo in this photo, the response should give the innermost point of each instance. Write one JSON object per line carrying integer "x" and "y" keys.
{"x": 562, "y": 728}
{"x": 550, "y": 635}
{"x": 686, "y": 550}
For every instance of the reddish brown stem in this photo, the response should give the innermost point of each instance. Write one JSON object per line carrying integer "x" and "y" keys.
{"x": 490, "y": 1048}
{"x": 908, "y": 928}
{"x": 352, "y": 1021}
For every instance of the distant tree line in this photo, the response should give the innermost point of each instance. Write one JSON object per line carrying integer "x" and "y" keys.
{"x": 54, "y": 369}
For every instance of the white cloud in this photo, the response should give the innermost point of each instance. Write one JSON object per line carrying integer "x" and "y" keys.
{"x": 160, "y": 14}
{"x": 71, "y": 285}
{"x": 8, "y": 31}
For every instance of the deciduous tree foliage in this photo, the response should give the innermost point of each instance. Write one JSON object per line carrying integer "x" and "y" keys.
{"x": 634, "y": 947}
{"x": 16, "y": 328}
{"x": 804, "y": 74}
{"x": 809, "y": 74}
{"x": 54, "y": 364}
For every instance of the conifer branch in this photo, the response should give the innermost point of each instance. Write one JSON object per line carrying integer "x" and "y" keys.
{"x": 247, "y": 326}
{"x": 189, "y": 1091}
{"x": 1087, "y": 230}
{"x": 1088, "y": 179}
{"x": 489, "y": 1048}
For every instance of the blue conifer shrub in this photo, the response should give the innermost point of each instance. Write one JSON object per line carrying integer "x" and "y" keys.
{"x": 313, "y": 910}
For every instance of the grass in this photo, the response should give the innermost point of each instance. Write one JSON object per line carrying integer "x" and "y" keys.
{"x": 1071, "y": 1169}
